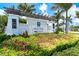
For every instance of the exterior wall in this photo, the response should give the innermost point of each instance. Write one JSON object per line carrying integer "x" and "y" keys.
{"x": 9, "y": 30}
{"x": 45, "y": 27}
{"x": 23, "y": 28}
{"x": 50, "y": 26}
{"x": 31, "y": 26}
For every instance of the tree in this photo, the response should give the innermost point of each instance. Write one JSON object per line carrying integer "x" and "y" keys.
{"x": 57, "y": 18}
{"x": 26, "y": 8}
{"x": 65, "y": 7}
{"x": 77, "y": 14}
{"x": 3, "y": 22}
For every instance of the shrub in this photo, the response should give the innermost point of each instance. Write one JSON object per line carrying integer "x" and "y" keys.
{"x": 14, "y": 35}
{"x": 62, "y": 47}
{"x": 22, "y": 21}
{"x": 73, "y": 51}
{"x": 58, "y": 30}
{"x": 4, "y": 37}
{"x": 39, "y": 45}
{"x": 36, "y": 34}
{"x": 25, "y": 34}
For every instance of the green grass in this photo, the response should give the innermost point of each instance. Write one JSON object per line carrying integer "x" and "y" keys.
{"x": 73, "y": 51}
{"x": 42, "y": 44}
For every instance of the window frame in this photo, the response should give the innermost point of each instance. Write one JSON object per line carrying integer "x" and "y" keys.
{"x": 38, "y": 24}
{"x": 14, "y": 23}
{"x": 53, "y": 26}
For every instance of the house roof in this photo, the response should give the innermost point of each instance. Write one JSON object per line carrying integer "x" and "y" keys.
{"x": 18, "y": 12}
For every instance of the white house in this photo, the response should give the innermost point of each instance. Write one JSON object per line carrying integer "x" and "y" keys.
{"x": 33, "y": 25}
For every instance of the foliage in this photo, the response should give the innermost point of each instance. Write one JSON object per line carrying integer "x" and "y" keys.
{"x": 57, "y": 18}
{"x": 3, "y": 22}
{"x": 25, "y": 34}
{"x": 22, "y": 21}
{"x": 65, "y": 7}
{"x": 26, "y": 8}
{"x": 58, "y": 30}
{"x": 77, "y": 14}
{"x": 4, "y": 37}
{"x": 41, "y": 44}
{"x": 73, "y": 51}
{"x": 75, "y": 28}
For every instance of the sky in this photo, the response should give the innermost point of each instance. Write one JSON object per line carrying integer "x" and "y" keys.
{"x": 42, "y": 8}
{"x": 47, "y": 8}
{"x": 37, "y": 6}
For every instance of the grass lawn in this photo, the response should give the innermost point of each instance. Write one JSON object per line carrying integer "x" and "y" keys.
{"x": 45, "y": 44}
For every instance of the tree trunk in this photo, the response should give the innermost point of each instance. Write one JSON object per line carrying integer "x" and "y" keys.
{"x": 66, "y": 26}
{"x": 57, "y": 30}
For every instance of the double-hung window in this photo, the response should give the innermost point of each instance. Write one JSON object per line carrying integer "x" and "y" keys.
{"x": 53, "y": 26}
{"x": 14, "y": 23}
{"x": 38, "y": 24}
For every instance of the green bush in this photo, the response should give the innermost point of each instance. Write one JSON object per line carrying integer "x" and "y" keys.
{"x": 38, "y": 44}
{"x": 25, "y": 34}
{"x": 13, "y": 35}
{"x": 73, "y": 51}
{"x": 4, "y": 37}
{"x": 60, "y": 48}
{"x": 22, "y": 21}
{"x": 58, "y": 30}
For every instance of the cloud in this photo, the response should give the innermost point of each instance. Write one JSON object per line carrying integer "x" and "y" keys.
{"x": 77, "y": 9}
{"x": 43, "y": 7}
{"x": 71, "y": 11}
{"x": 45, "y": 13}
{"x": 2, "y": 12}
{"x": 75, "y": 21}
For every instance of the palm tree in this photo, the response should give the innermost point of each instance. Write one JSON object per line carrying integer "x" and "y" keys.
{"x": 57, "y": 18}
{"x": 26, "y": 8}
{"x": 65, "y": 7}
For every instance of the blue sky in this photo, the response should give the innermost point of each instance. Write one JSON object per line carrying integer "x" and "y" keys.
{"x": 37, "y": 6}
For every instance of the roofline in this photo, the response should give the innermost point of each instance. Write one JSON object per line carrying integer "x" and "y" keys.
{"x": 18, "y": 12}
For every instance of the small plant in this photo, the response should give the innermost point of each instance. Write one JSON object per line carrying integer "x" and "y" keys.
{"x": 25, "y": 34}
{"x": 58, "y": 30}
{"x": 19, "y": 45}
{"x": 13, "y": 35}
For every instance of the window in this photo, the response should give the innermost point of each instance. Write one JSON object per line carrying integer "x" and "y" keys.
{"x": 35, "y": 31}
{"x": 38, "y": 24}
{"x": 13, "y": 23}
{"x": 53, "y": 26}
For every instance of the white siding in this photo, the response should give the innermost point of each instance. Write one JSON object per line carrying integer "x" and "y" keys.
{"x": 23, "y": 28}
{"x": 9, "y": 29}
{"x": 32, "y": 25}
